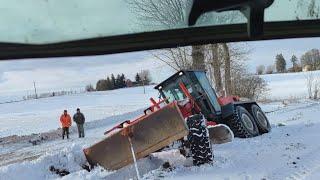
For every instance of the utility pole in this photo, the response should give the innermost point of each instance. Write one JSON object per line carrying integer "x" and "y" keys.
{"x": 144, "y": 88}
{"x": 35, "y": 89}
{"x": 142, "y": 77}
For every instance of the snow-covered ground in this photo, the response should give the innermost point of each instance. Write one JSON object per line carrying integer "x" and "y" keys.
{"x": 290, "y": 85}
{"x": 290, "y": 151}
{"x": 41, "y": 115}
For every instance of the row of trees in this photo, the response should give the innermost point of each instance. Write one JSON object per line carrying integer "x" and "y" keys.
{"x": 120, "y": 81}
{"x": 111, "y": 83}
{"x": 309, "y": 61}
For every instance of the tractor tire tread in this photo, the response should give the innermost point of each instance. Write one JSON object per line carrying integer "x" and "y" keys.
{"x": 198, "y": 138}
{"x": 237, "y": 127}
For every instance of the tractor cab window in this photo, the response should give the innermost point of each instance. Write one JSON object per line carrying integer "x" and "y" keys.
{"x": 173, "y": 92}
{"x": 204, "y": 82}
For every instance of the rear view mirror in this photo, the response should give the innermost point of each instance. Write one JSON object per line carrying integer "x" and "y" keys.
{"x": 253, "y": 10}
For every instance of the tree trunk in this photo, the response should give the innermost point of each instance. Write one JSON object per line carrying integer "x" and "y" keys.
{"x": 227, "y": 69}
{"x": 198, "y": 57}
{"x": 216, "y": 65}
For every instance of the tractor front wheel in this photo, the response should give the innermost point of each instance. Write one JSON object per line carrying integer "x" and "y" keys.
{"x": 242, "y": 123}
{"x": 198, "y": 140}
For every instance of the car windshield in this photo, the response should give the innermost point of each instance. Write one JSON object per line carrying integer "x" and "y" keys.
{"x": 52, "y": 21}
{"x": 266, "y": 94}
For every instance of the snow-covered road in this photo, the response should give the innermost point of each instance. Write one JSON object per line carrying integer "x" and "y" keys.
{"x": 290, "y": 151}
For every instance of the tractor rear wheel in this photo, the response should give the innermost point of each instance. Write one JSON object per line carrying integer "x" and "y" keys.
{"x": 261, "y": 119}
{"x": 242, "y": 123}
{"x": 198, "y": 140}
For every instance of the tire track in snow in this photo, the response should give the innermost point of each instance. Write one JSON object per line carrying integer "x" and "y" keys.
{"x": 291, "y": 108}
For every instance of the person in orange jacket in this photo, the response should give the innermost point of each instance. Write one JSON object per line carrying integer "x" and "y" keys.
{"x": 65, "y": 120}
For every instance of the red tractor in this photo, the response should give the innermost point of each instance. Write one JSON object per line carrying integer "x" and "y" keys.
{"x": 188, "y": 112}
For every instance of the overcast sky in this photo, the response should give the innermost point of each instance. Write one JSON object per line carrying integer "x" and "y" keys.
{"x": 76, "y": 72}
{"x": 73, "y": 73}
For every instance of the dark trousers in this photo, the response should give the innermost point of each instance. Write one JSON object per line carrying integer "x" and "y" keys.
{"x": 80, "y": 130}
{"x": 65, "y": 130}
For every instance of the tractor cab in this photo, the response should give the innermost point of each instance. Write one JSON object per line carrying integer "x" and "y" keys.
{"x": 197, "y": 85}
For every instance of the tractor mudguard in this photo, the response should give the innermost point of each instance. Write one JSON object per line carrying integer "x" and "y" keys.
{"x": 228, "y": 109}
{"x": 246, "y": 104}
{"x": 148, "y": 134}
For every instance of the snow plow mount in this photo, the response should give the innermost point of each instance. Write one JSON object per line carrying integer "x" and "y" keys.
{"x": 148, "y": 133}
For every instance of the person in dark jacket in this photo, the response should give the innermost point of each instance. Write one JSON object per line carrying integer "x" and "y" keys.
{"x": 79, "y": 119}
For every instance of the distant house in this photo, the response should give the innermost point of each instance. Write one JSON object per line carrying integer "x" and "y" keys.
{"x": 129, "y": 83}
{"x": 295, "y": 69}
{"x": 307, "y": 68}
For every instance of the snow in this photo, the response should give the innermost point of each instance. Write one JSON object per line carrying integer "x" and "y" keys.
{"x": 289, "y": 151}
{"x": 42, "y": 115}
{"x": 290, "y": 85}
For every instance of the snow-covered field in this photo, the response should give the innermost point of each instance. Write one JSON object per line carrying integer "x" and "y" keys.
{"x": 290, "y": 85}
{"x": 41, "y": 115}
{"x": 290, "y": 151}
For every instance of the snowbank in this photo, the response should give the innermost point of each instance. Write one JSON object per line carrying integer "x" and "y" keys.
{"x": 69, "y": 158}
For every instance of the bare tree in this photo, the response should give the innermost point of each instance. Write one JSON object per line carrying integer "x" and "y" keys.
{"x": 89, "y": 88}
{"x": 145, "y": 77}
{"x": 168, "y": 14}
{"x": 218, "y": 59}
{"x": 311, "y": 58}
{"x": 227, "y": 69}
{"x": 313, "y": 85}
{"x": 309, "y": 79}
{"x": 160, "y": 14}
{"x": 246, "y": 84}
{"x": 177, "y": 58}
{"x": 198, "y": 57}
{"x": 316, "y": 88}
{"x": 260, "y": 69}
{"x": 216, "y": 66}
{"x": 307, "y": 8}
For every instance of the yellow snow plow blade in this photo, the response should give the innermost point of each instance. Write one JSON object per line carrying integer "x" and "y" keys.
{"x": 149, "y": 134}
